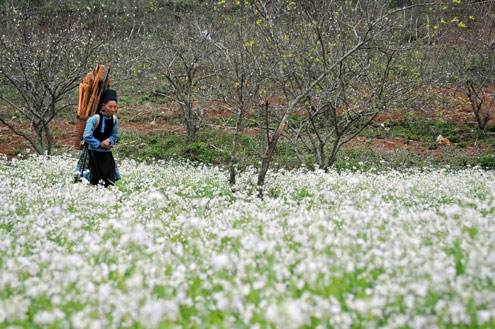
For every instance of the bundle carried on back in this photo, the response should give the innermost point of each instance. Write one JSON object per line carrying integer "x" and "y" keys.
{"x": 90, "y": 91}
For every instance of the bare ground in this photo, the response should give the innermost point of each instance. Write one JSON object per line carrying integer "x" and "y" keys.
{"x": 159, "y": 121}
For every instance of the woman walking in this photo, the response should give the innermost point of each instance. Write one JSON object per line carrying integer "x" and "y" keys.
{"x": 100, "y": 135}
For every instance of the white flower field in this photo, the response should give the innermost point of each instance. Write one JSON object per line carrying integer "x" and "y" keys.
{"x": 170, "y": 246}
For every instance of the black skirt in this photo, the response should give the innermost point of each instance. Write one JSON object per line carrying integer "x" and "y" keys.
{"x": 103, "y": 168}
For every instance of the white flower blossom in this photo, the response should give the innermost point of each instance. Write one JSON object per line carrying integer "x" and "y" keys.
{"x": 171, "y": 244}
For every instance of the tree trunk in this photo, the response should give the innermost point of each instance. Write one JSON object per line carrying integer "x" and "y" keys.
{"x": 233, "y": 156}
{"x": 43, "y": 133}
{"x": 267, "y": 156}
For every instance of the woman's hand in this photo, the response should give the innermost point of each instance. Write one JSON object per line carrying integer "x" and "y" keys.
{"x": 106, "y": 144}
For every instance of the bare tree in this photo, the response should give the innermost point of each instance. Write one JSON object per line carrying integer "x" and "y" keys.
{"x": 344, "y": 104}
{"x": 240, "y": 75}
{"x": 322, "y": 50}
{"x": 41, "y": 61}
{"x": 463, "y": 57}
{"x": 185, "y": 64}
{"x": 482, "y": 104}
{"x": 475, "y": 67}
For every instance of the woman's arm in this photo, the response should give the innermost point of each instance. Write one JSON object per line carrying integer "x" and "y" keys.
{"x": 88, "y": 132}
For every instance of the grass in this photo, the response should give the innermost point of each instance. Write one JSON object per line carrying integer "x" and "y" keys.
{"x": 211, "y": 147}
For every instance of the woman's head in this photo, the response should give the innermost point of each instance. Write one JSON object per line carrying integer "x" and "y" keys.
{"x": 108, "y": 102}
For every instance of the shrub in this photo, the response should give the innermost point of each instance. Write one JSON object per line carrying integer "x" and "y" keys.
{"x": 200, "y": 152}
{"x": 487, "y": 161}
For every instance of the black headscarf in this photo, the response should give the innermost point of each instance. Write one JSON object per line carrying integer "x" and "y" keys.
{"x": 108, "y": 95}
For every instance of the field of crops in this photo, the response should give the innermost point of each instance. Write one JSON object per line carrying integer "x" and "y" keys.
{"x": 172, "y": 247}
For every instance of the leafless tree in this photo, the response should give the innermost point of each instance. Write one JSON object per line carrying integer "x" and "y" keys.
{"x": 240, "y": 75}
{"x": 41, "y": 61}
{"x": 464, "y": 60}
{"x": 323, "y": 51}
{"x": 184, "y": 64}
